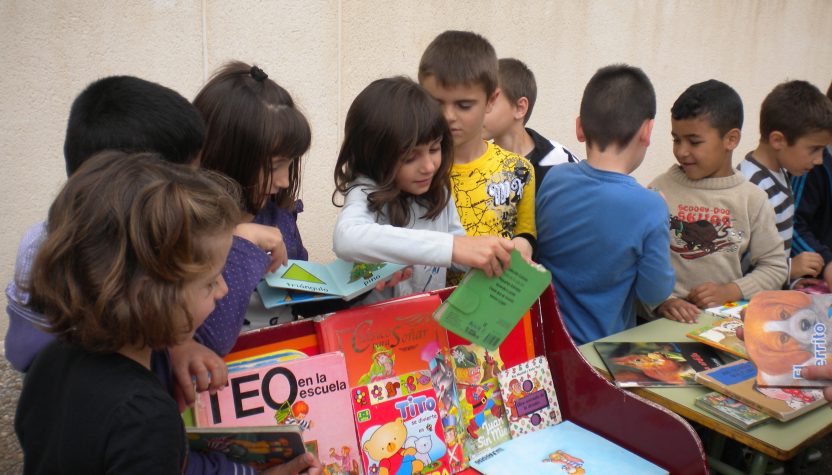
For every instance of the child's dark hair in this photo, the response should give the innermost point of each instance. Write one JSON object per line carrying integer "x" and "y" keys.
{"x": 124, "y": 235}
{"x": 384, "y": 123}
{"x": 712, "y": 100}
{"x": 795, "y": 109}
{"x": 460, "y": 58}
{"x": 132, "y": 115}
{"x": 250, "y": 119}
{"x": 616, "y": 102}
{"x": 516, "y": 81}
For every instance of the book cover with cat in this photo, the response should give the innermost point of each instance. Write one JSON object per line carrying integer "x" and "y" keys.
{"x": 529, "y": 395}
{"x": 399, "y": 427}
{"x": 646, "y": 364}
{"x": 786, "y": 330}
{"x": 482, "y": 421}
{"x": 309, "y": 392}
{"x": 739, "y": 381}
{"x": 386, "y": 339}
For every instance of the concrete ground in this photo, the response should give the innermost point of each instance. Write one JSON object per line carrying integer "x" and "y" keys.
{"x": 11, "y": 458}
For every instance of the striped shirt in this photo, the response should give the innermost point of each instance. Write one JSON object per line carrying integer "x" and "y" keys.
{"x": 779, "y": 191}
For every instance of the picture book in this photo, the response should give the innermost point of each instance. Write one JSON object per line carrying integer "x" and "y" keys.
{"x": 785, "y": 330}
{"x": 644, "y": 364}
{"x": 399, "y": 428}
{"x": 274, "y": 297}
{"x": 310, "y": 392}
{"x": 730, "y": 410}
{"x": 482, "y": 419}
{"x": 447, "y": 402}
{"x": 738, "y": 380}
{"x": 341, "y": 278}
{"x": 523, "y": 343}
{"x": 529, "y": 394}
{"x": 258, "y": 447}
{"x": 729, "y": 309}
{"x": 485, "y": 309}
{"x": 559, "y": 449}
{"x": 722, "y": 335}
{"x": 298, "y": 335}
{"x": 385, "y": 339}
{"x": 819, "y": 287}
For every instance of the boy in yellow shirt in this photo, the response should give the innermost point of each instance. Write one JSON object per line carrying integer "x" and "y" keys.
{"x": 493, "y": 189}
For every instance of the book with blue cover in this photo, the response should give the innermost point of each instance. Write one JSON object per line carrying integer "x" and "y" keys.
{"x": 562, "y": 448}
{"x": 344, "y": 279}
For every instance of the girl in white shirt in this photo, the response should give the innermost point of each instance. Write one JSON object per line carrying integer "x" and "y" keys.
{"x": 393, "y": 171}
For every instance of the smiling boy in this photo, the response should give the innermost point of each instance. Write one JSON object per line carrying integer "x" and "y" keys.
{"x": 795, "y": 126}
{"x": 493, "y": 188}
{"x": 723, "y": 241}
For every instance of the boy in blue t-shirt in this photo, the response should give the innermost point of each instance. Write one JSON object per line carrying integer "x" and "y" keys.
{"x": 607, "y": 251}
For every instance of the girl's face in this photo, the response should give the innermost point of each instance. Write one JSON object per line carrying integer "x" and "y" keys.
{"x": 278, "y": 178}
{"x": 202, "y": 293}
{"x": 416, "y": 172}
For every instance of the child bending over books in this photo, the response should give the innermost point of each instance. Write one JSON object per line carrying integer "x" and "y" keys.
{"x": 116, "y": 283}
{"x": 723, "y": 239}
{"x": 393, "y": 170}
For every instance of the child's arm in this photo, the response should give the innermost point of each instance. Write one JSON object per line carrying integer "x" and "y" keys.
{"x": 812, "y": 195}
{"x": 766, "y": 254}
{"x": 679, "y": 310}
{"x": 359, "y": 238}
{"x": 806, "y": 264}
{"x": 525, "y": 232}
{"x": 244, "y": 268}
{"x": 711, "y": 294}
{"x": 195, "y": 367}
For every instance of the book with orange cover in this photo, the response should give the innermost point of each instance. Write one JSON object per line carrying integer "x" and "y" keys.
{"x": 383, "y": 340}
{"x": 722, "y": 335}
{"x": 299, "y": 335}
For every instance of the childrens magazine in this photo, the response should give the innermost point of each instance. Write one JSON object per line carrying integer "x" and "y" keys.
{"x": 785, "y": 330}
{"x": 645, "y": 364}
{"x": 529, "y": 394}
{"x": 485, "y": 309}
{"x": 738, "y": 380}
{"x": 729, "y": 309}
{"x": 257, "y": 447}
{"x": 562, "y": 449}
{"x": 386, "y": 339}
{"x": 399, "y": 427}
{"x": 482, "y": 420}
{"x": 310, "y": 392}
{"x": 341, "y": 278}
{"x": 730, "y": 410}
{"x": 722, "y": 335}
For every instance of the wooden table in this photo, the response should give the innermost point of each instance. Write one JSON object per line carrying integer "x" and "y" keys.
{"x": 778, "y": 440}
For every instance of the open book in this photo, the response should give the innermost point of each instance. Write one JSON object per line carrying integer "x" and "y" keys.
{"x": 344, "y": 279}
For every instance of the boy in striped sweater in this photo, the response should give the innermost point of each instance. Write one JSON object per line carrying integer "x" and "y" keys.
{"x": 795, "y": 126}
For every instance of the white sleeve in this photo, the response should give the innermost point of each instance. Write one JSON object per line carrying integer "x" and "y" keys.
{"x": 359, "y": 238}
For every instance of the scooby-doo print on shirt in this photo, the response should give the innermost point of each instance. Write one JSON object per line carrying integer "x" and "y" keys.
{"x": 697, "y": 231}
{"x": 494, "y": 194}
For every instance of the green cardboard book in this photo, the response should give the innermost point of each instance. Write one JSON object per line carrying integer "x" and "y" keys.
{"x": 485, "y": 309}
{"x": 344, "y": 279}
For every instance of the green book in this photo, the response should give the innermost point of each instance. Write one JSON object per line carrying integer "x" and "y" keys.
{"x": 485, "y": 309}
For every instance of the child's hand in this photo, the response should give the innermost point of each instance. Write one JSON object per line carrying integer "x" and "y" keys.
{"x": 806, "y": 264}
{"x": 306, "y": 464}
{"x": 490, "y": 253}
{"x": 679, "y": 310}
{"x": 711, "y": 294}
{"x": 827, "y": 275}
{"x": 195, "y": 365}
{"x": 819, "y": 372}
{"x": 394, "y": 280}
{"x": 267, "y": 238}
{"x": 524, "y": 247}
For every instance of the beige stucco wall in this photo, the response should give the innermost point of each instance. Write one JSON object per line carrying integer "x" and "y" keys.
{"x": 325, "y": 51}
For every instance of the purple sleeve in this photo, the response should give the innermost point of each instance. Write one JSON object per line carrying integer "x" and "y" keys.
{"x": 24, "y": 339}
{"x": 214, "y": 463}
{"x": 244, "y": 268}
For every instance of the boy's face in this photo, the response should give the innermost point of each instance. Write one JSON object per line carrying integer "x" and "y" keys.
{"x": 804, "y": 153}
{"x": 464, "y": 107}
{"x": 700, "y": 150}
{"x": 500, "y": 119}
